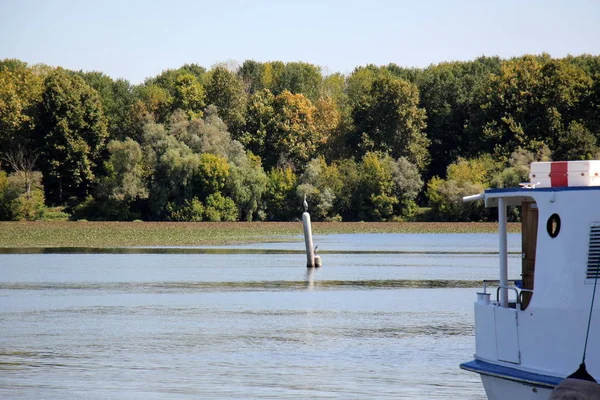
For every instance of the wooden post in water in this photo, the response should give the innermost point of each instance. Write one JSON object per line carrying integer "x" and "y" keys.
{"x": 312, "y": 259}
{"x": 310, "y": 252}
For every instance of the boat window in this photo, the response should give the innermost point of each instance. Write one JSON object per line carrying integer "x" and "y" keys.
{"x": 553, "y": 225}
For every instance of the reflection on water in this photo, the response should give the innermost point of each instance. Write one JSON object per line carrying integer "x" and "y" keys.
{"x": 390, "y": 322}
{"x": 310, "y": 278}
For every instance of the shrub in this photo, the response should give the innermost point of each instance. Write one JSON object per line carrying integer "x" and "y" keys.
{"x": 219, "y": 208}
{"x": 56, "y": 214}
{"x": 192, "y": 210}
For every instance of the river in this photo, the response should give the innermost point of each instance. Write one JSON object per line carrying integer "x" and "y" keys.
{"x": 387, "y": 316}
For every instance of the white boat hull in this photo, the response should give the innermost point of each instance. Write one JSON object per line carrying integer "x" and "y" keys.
{"x": 503, "y": 389}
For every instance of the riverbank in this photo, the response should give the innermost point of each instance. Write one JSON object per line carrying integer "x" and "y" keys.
{"x": 129, "y": 234}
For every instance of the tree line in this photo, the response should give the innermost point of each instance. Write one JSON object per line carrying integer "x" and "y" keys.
{"x": 247, "y": 142}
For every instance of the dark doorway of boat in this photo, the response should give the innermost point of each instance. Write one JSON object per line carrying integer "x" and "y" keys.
{"x": 529, "y": 229}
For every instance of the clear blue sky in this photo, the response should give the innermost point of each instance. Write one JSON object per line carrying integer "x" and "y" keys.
{"x": 135, "y": 39}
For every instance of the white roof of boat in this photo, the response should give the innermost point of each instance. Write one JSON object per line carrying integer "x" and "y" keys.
{"x": 516, "y": 195}
{"x": 521, "y": 190}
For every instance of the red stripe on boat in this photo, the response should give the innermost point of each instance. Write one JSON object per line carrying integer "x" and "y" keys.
{"x": 559, "y": 173}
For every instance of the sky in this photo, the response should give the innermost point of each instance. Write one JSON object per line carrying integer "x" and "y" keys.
{"x": 138, "y": 39}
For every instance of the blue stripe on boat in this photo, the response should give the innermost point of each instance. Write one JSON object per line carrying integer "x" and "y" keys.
{"x": 513, "y": 374}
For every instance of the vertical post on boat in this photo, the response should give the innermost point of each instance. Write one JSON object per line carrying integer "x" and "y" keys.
{"x": 503, "y": 252}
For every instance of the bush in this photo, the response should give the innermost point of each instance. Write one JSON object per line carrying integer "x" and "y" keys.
{"x": 192, "y": 210}
{"x": 56, "y": 214}
{"x": 109, "y": 209}
{"x": 21, "y": 199}
{"x": 30, "y": 207}
{"x": 219, "y": 208}
{"x": 465, "y": 177}
{"x": 445, "y": 199}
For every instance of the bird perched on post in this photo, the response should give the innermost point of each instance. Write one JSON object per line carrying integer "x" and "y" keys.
{"x": 305, "y": 204}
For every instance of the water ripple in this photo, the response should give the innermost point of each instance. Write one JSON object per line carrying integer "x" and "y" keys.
{"x": 158, "y": 287}
{"x": 222, "y": 250}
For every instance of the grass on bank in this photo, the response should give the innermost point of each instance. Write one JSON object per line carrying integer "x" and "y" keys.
{"x": 130, "y": 234}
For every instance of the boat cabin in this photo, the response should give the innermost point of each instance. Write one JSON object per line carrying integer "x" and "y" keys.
{"x": 537, "y": 324}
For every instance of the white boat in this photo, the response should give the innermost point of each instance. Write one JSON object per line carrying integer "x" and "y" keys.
{"x": 532, "y": 333}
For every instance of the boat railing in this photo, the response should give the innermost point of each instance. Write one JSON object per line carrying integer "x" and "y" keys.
{"x": 516, "y": 304}
{"x": 517, "y": 289}
{"x": 522, "y": 292}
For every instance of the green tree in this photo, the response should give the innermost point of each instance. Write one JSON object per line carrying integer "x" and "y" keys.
{"x": 334, "y": 86}
{"x": 171, "y": 90}
{"x": 407, "y": 184}
{"x": 179, "y": 173}
{"x": 271, "y": 75}
{"x": 294, "y": 137}
{"x": 412, "y": 75}
{"x": 300, "y": 78}
{"x": 208, "y": 135}
{"x": 532, "y": 100}
{"x": 251, "y": 73}
{"x": 376, "y": 188}
{"x": 328, "y": 120}
{"x": 445, "y": 199}
{"x": 464, "y": 178}
{"x": 220, "y": 208}
{"x": 189, "y": 96}
{"x": 225, "y": 90}
{"x": 280, "y": 200}
{"x": 167, "y": 79}
{"x": 175, "y": 169}
{"x": 260, "y": 121}
{"x": 246, "y": 181}
{"x": 246, "y": 185}
{"x": 576, "y": 143}
{"x": 122, "y": 191}
{"x": 117, "y": 99}
{"x": 390, "y": 120}
{"x": 126, "y": 178}
{"x": 589, "y": 109}
{"x": 320, "y": 183}
{"x": 376, "y": 197}
{"x": 20, "y": 96}
{"x": 334, "y": 117}
{"x": 518, "y": 168}
{"x": 71, "y": 136}
{"x": 360, "y": 82}
{"x": 153, "y": 103}
{"x": 348, "y": 201}
{"x": 213, "y": 171}
{"x": 199, "y": 158}
{"x": 452, "y": 95}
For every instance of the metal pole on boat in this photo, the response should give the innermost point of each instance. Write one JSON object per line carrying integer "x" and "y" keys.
{"x": 503, "y": 252}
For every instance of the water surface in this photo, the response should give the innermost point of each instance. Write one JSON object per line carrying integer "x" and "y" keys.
{"x": 387, "y": 316}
